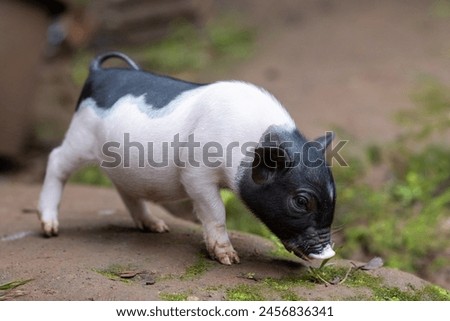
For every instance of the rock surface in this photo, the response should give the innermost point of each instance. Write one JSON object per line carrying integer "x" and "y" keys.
{"x": 99, "y": 255}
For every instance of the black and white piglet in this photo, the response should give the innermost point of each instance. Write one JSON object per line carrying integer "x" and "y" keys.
{"x": 226, "y": 134}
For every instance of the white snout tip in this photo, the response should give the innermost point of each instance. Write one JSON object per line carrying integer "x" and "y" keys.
{"x": 326, "y": 253}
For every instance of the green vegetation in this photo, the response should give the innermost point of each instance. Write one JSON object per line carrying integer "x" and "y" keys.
{"x": 285, "y": 288}
{"x": 201, "y": 266}
{"x": 186, "y": 49}
{"x": 91, "y": 175}
{"x": 14, "y": 284}
{"x": 441, "y": 9}
{"x": 173, "y": 296}
{"x": 240, "y": 218}
{"x": 244, "y": 292}
{"x": 114, "y": 272}
{"x": 189, "y": 49}
{"x": 6, "y": 288}
{"x": 403, "y": 220}
{"x": 428, "y": 293}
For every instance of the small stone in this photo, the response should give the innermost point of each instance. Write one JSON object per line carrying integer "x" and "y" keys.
{"x": 128, "y": 274}
{"x": 149, "y": 280}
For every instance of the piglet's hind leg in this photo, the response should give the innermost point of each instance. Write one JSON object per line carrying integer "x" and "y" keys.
{"x": 142, "y": 217}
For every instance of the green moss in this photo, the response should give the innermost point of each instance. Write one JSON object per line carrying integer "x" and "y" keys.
{"x": 213, "y": 288}
{"x": 393, "y": 294}
{"x": 427, "y": 293}
{"x": 380, "y": 292}
{"x": 286, "y": 287}
{"x": 287, "y": 283}
{"x": 201, "y": 266}
{"x": 435, "y": 293}
{"x": 290, "y": 296}
{"x": 114, "y": 271}
{"x": 244, "y": 292}
{"x": 173, "y": 296}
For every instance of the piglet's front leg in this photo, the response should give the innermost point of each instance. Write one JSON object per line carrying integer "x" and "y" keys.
{"x": 210, "y": 210}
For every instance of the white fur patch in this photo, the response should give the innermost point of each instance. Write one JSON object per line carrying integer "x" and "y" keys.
{"x": 222, "y": 112}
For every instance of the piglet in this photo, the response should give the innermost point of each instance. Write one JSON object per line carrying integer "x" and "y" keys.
{"x": 163, "y": 139}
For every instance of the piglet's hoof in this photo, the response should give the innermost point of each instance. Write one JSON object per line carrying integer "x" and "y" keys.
{"x": 158, "y": 226}
{"x": 225, "y": 254}
{"x": 50, "y": 228}
{"x": 228, "y": 258}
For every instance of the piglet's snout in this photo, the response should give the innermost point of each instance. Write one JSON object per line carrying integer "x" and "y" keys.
{"x": 325, "y": 250}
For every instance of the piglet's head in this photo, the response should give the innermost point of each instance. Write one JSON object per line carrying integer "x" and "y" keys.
{"x": 291, "y": 189}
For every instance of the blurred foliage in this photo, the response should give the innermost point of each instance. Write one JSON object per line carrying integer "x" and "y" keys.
{"x": 432, "y": 118}
{"x": 239, "y": 218}
{"x": 187, "y": 48}
{"x": 403, "y": 221}
{"x": 91, "y": 175}
{"x": 441, "y": 8}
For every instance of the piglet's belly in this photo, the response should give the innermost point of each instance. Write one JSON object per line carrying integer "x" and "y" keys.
{"x": 157, "y": 185}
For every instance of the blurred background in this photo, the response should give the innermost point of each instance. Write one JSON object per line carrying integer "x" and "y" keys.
{"x": 375, "y": 72}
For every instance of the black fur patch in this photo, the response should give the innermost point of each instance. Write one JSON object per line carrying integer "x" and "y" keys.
{"x": 271, "y": 201}
{"x": 107, "y": 86}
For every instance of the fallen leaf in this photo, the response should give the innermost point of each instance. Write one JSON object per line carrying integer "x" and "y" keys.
{"x": 373, "y": 264}
{"x": 128, "y": 274}
{"x": 13, "y": 284}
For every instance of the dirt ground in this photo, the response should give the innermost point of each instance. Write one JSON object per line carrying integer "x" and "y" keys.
{"x": 98, "y": 235}
{"x": 347, "y": 64}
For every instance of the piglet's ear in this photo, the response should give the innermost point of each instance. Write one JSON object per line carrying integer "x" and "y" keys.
{"x": 325, "y": 140}
{"x": 268, "y": 162}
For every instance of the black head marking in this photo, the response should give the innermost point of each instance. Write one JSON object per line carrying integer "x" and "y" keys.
{"x": 293, "y": 197}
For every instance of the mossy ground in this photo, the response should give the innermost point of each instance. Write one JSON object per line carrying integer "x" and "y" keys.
{"x": 174, "y": 296}
{"x": 114, "y": 271}
{"x": 201, "y": 266}
{"x": 287, "y": 288}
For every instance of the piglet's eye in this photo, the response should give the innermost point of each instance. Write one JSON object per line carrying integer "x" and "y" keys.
{"x": 300, "y": 203}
